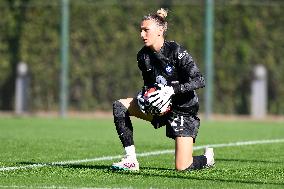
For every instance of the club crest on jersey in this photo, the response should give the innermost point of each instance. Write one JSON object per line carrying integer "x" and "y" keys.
{"x": 169, "y": 69}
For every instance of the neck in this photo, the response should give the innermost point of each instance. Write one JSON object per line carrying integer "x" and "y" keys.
{"x": 157, "y": 46}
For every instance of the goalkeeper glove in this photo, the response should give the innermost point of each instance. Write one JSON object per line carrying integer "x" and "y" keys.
{"x": 141, "y": 101}
{"x": 161, "y": 98}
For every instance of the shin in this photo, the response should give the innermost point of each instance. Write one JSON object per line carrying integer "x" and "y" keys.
{"x": 123, "y": 124}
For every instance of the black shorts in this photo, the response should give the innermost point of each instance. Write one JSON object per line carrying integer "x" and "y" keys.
{"x": 178, "y": 125}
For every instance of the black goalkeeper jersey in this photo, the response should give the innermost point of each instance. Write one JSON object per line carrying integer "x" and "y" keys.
{"x": 173, "y": 66}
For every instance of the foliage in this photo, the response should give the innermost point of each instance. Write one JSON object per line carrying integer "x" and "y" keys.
{"x": 104, "y": 40}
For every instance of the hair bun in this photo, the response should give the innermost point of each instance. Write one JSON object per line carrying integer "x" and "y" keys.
{"x": 162, "y": 13}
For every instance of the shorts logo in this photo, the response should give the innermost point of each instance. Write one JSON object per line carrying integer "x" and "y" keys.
{"x": 181, "y": 55}
{"x": 177, "y": 127}
{"x": 169, "y": 69}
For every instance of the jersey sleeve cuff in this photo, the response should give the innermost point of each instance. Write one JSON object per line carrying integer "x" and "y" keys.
{"x": 177, "y": 88}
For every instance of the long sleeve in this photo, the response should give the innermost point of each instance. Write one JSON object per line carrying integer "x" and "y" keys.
{"x": 192, "y": 78}
{"x": 142, "y": 61}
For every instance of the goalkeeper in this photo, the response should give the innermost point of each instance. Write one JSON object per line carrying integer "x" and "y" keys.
{"x": 168, "y": 97}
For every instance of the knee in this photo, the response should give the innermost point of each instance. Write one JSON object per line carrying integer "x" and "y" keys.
{"x": 119, "y": 110}
{"x": 181, "y": 166}
{"x": 116, "y": 104}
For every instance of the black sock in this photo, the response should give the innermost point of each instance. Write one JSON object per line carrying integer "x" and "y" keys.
{"x": 123, "y": 124}
{"x": 199, "y": 162}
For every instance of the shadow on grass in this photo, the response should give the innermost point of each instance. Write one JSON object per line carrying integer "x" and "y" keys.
{"x": 248, "y": 161}
{"x": 98, "y": 167}
{"x": 161, "y": 172}
{"x": 171, "y": 173}
{"x": 74, "y": 166}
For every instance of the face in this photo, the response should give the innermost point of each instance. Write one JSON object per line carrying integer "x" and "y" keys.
{"x": 151, "y": 33}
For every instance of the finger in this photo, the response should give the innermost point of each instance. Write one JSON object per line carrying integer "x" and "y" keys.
{"x": 153, "y": 94}
{"x": 164, "y": 104}
{"x": 153, "y": 99}
{"x": 157, "y": 102}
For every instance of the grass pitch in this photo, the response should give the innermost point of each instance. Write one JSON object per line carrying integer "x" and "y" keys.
{"x": 40, "y": 151}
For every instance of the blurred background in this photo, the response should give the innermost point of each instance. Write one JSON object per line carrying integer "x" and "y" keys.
{"x": 71, "y": 55}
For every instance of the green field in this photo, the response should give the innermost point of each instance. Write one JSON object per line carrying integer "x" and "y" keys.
{"x": 40, "y": 151}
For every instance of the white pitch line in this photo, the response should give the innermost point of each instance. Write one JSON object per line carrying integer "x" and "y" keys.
{"x": 154, "y": 153}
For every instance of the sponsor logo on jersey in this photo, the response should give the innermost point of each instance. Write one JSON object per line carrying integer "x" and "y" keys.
{"x": 181, "y": 55}
{"x": 161, "y": 80}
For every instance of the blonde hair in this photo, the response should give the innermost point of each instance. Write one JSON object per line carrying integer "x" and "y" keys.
{"x": 162, "y": 13}
{"x": 159, "y": 17}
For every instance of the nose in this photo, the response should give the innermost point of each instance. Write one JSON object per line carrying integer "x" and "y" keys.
{"x": 142, "y": 34}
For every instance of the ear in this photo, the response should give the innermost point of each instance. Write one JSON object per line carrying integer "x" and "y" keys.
{"x": 161, "y": 31}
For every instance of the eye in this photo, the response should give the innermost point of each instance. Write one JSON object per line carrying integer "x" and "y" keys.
{"x": 144, "y": 30}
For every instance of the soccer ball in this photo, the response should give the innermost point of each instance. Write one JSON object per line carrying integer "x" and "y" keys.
{"x": 148, "y": 93}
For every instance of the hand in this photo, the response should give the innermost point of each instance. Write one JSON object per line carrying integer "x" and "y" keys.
{"x": 141, "y": 101}
{"x": 162, "y": 97}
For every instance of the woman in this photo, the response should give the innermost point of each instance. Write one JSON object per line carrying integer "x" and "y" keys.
{"x": 169, "y": 66}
